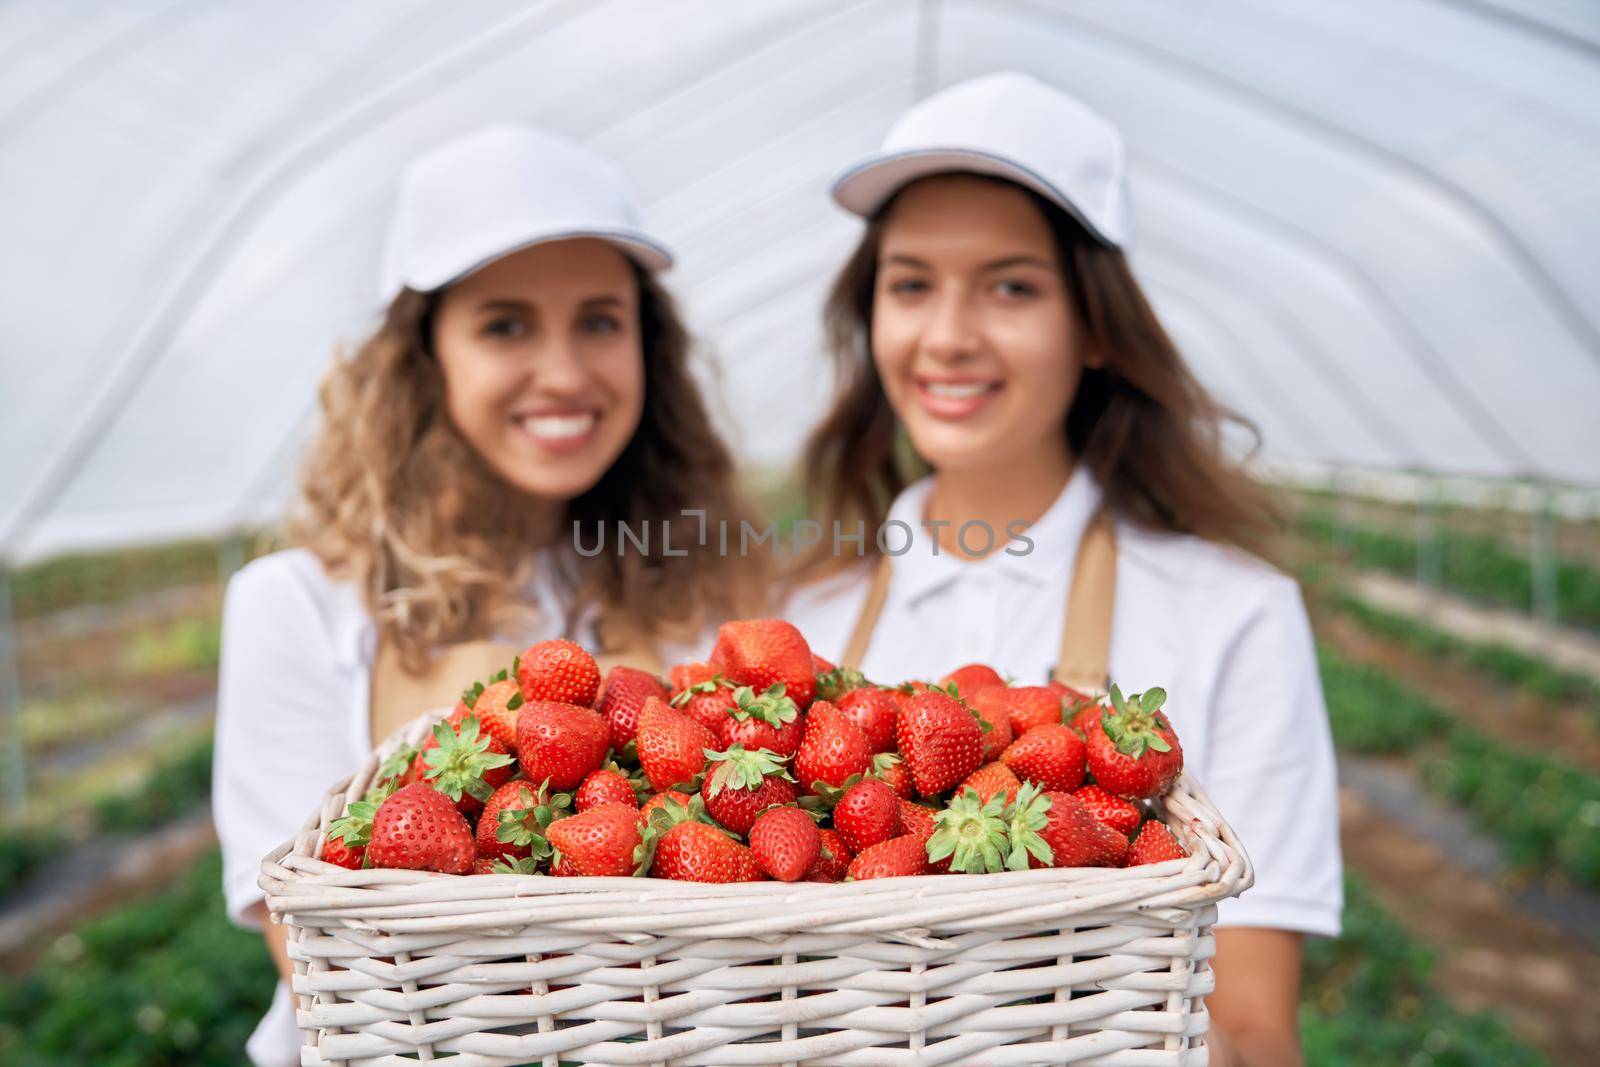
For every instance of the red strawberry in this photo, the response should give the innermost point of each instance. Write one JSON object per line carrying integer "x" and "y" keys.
{"x": 820, "y": 665}
{"x": 483, "y": 866}
{"x": 970, "y": 833}
{"x": 1056, "y": 830}
{"x": 1071, "y": 697}
{"x": 992, "y": 707}
{"x": 770, "y": 721}
{"x": 608, "y": 785}
{"x": 891, "y": 770}
{"x": 672, "y": 747}
{"x": 916, "y": 820}
{"x": 621, "y": 698}
{"x": 832, "y": 749}
{"x": 1121, "y": 815}
{"x": 708, "y": 701}
{"x": 739, "y": 785}
{"x": 558, "y": 670}
{"x": 345, "y": 845}
{"x": 462, "y": 763}
{"x": 867, "y": 814}
{"x": 1134, "y": 752}
{"x": 515, "y": 819}
{"x": 765, "y": 652}
{"x": 833, "y": 859}
{"x": 1051, "y": 755}
{"x": 873, "y": 710}
{"x": 496, "y": 705}
{"x": 991, "y": 779}
{"x": 1084, "y": 716}
{"x": 837, "y": 681}
{"x": 1033, "y": 705}
{"x": 340, "y": 853}
{"x": 785, "y": 843}
{"x": 895, "y": 858}
{"x": 660, "y": 800}
{"x": 695, "y": 852}
{"x": 420, "y": 829}
{"x": 971, "y": 678}
{"x": 941, "y": 741}
{"x": 560, "y": 743}
{"x": 600, "y": 842}
{"x": 1155, "y": 844}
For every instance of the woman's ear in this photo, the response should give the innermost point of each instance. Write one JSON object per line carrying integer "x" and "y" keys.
{"x": 1092, "y": 357}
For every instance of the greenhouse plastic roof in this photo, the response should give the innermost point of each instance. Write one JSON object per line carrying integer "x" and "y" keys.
{"x": 1373, "y": 226}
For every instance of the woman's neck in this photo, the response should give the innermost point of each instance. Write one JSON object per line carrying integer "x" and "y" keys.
{"x": 1017, "y": 492}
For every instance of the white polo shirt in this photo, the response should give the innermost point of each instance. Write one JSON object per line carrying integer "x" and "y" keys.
{"x": 1223, "y": 633}
{"x": 293, "y": 719}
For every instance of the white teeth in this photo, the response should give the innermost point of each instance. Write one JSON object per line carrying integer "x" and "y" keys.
{"x": 961, "y": 390}
{"x": 558, "y": 425}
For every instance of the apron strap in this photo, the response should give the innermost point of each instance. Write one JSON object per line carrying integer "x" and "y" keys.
{"x": 856, "y": 649}
{"x": 1083, "y": 661}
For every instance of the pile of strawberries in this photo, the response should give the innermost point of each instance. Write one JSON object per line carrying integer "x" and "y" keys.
{"x": 766, "y": 762}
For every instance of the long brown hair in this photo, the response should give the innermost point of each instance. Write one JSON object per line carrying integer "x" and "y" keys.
{"x": 393, "y": 498}
{"x": 1146, "y": 429}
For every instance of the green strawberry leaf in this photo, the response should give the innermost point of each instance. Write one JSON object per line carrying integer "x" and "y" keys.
{"x": 972, "y": 834}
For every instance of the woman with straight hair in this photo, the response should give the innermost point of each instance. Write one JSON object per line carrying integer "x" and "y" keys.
{"x": 527, "y": 389}
{"x": 1045, "y": 487}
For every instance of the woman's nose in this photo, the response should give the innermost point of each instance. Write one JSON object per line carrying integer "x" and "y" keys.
{"x": 559, "y": 367}
{"x": 951, "y": 331}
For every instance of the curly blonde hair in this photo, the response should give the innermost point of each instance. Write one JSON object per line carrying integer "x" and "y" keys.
{"x": 439, "y": 545}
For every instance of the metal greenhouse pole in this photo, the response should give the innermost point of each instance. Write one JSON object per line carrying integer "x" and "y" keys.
{"x": 1546, "y": 607}
{"x": 16, "y": 753}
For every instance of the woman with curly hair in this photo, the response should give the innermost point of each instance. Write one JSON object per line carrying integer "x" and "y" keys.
{"x": 528, "y": 389}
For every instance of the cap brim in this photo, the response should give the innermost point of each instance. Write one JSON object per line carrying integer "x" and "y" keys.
{"x": 643, "y": 249}
{"x": 865, "y": 187}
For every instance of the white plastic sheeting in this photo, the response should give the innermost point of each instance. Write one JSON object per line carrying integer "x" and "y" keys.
{"x": 1373, "y": 225}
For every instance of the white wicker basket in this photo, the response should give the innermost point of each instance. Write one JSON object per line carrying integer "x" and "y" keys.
{"x": 1072, "y": 966}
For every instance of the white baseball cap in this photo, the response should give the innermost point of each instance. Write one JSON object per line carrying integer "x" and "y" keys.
{"x": 474, "y": 199}
{"x": 1012, "y": 126}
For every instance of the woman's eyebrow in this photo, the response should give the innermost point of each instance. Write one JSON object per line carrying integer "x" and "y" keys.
{"x": 1017, "y": 261}
{"x": 503, "y": 303}
{"x": 908, "y": 261}
{"x": 1020, "y": 260}
{"x": 603, "y": 299}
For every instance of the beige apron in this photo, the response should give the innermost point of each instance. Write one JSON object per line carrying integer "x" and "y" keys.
{"x": 398, "y": 696}
{"x": 1086, "y": 633}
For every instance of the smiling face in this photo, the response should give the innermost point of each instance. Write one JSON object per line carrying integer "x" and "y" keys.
{"x": 543, "y": 363}
{"x": 973, "y": 330}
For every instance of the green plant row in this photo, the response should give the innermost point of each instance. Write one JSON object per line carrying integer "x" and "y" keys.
{"x": 108, "y": 577}
{"x": 1543, "y": 812}
{"x": 1496, "y": 661}
{"x": 1473, "y": 564}
{"x": 177, "y": 783}
{"x": 167, "y": 980}
{"x": 1367, "y": 1000}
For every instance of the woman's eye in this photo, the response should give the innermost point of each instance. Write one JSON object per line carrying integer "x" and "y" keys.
{"x": 601, "y": 324}
{"x": 1011, "y": 287}
{"x": 908, "y": 286}
{"x": 505, "y": 328}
